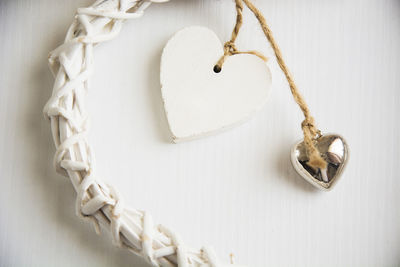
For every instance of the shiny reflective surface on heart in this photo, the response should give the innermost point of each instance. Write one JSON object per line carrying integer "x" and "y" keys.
{"x": 333, "y": 149}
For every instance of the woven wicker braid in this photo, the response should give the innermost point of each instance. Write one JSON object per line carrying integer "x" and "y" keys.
{"x": 71, "y": 64}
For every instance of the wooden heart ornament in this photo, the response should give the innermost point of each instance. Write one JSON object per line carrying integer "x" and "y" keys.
{"x": 198, "y": 101}
{"x": 334, "y": 151}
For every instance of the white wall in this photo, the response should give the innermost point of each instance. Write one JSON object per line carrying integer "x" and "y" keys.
{"x": 236, "y": 191}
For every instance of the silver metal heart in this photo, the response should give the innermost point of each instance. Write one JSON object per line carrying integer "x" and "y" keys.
{"x": 333, "y": 149}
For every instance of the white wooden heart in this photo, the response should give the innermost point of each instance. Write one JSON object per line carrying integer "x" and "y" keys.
{"x": 198, "y": 101}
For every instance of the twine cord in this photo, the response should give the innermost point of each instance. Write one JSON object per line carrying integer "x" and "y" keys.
{"x": 310, "y": 132}
{"x": 230, "y": 47}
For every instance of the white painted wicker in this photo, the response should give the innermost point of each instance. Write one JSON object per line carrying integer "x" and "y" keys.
{"x": 71, "y": 64}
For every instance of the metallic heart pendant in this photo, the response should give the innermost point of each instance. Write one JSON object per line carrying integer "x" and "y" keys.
{"x": 333, "y": 149}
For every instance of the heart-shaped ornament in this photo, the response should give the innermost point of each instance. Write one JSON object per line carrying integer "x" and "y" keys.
{"x": 198, "y": 101}
{"x": 333, "y": 149}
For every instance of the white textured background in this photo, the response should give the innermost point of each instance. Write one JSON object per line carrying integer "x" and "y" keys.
{"x": 236, "y": 191}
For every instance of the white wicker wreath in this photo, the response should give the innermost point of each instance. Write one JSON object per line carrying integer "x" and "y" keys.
{"x": 71, "y": 64}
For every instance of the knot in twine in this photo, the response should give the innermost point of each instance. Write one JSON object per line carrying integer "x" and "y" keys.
{"x": 308, "y": 123}
{"x": 230, "y": 47}
{"x": 230, "y": 50}
{"x": 311, "y": 133}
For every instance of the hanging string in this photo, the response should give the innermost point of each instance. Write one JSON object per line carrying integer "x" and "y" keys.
{"x": 230, "y": 47}
{"x": 310, "y": 132}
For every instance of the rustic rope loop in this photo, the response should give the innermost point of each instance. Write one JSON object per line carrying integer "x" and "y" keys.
{"x": 309, "y": 130}
{"x": 230, "y": 47}
{"x": 309, "y": 123}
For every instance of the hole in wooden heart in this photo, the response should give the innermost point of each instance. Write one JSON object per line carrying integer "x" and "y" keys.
{"x": 217, "y": 69}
